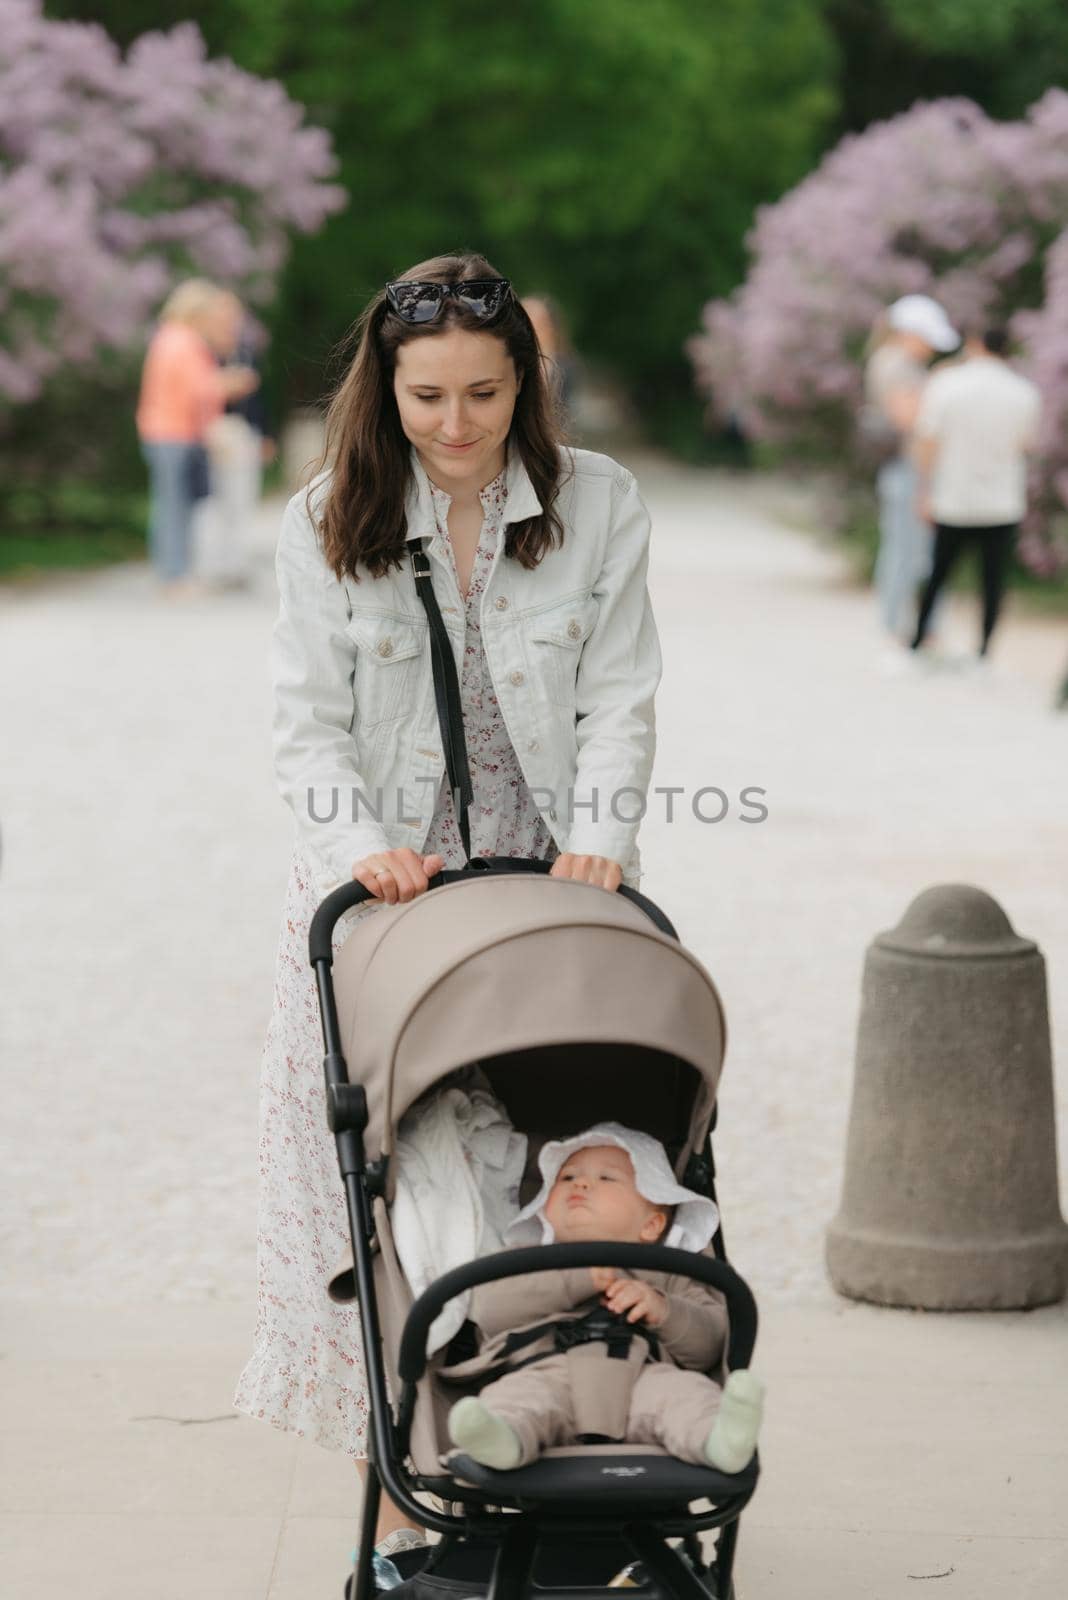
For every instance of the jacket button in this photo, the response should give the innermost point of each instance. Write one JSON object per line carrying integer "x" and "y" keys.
{"x": 552, "y": 816}
{"x": 501, "y": 603}
{"x": 517, "y": 678}
{"x": 574, "y": 628}
{"x": 533, "y": 745}
{"x": 385, "y": 647}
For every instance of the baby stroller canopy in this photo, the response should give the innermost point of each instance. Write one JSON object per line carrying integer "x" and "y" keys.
{"x": 572, "y": 985}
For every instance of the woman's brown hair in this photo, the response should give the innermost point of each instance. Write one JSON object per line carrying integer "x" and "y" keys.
{"x": 362, "y": 519}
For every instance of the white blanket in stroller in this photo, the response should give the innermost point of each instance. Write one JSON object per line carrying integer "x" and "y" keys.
{"x": 459, "y": 1163}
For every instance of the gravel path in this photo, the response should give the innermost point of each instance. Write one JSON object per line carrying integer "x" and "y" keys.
{"x": 145, "y": 856}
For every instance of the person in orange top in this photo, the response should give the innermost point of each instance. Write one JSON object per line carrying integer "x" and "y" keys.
{"x": 183, "y": 390}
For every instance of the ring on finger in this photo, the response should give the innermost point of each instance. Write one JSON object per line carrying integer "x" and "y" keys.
{"x": 383, "y": 872}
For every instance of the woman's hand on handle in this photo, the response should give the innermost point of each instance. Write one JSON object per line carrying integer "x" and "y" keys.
{"x": 397, "y": 875}
{"x": 598, "y": 870}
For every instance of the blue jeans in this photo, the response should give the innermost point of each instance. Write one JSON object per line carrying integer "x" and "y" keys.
{"x": 906, "y": 546}
{"x": 170, "y": 518}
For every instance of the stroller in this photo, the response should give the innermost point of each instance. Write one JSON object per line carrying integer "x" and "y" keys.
{"x": 634, "y": 1033}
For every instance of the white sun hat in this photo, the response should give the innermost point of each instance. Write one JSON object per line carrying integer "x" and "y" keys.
{"x": 919, "y": 314}
{"x": 696, "y": 1217}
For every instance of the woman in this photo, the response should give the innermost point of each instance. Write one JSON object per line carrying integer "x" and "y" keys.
{"x": 183, "y": 391}
{"x": 441, "y": 430}
{"x": 909, "y": 334}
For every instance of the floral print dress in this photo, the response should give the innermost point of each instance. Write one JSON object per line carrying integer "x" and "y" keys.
{"x": 306, "y": 1370}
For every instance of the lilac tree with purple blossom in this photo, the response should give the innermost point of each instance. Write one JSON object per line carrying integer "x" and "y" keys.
{"x": 940, "y": 200}
{"x": 121, "y": 175}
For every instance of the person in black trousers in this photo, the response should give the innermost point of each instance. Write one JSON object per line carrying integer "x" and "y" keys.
{"x": 977, "y": 422}
{"x": 994, "y": 549}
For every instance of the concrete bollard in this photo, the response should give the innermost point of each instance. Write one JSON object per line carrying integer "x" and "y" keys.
{"x": 950, "y": 1197}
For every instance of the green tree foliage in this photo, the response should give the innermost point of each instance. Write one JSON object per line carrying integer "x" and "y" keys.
{"x": 1019, "y": 46}
{"x": 1003, "y": 54}
{"x": 608, "y": 152}
{"x": 975, "y": 27}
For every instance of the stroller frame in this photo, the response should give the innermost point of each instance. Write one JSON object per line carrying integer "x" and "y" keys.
{"x": 523, "y": 1523}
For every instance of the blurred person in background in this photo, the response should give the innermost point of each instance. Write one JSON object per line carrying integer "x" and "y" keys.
{"x": 1060, "y": 699}
{"x": 183, "y": 390}
{"x": 903, "y": 342}
{"x": 240, "y": 443}
{"x": 555, "y": 347}
{"x": 977, "y": 422}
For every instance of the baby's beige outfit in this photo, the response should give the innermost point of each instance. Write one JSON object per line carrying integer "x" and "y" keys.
{"x": 658, "y": 1394}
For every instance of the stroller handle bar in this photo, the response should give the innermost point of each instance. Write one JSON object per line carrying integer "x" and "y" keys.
{"x": 320, "y": 937}
{"x": 741, "y": 1306}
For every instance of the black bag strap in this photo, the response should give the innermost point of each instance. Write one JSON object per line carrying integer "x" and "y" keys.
{"x": 447, "y": 696}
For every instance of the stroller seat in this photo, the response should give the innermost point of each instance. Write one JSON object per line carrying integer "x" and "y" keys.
{"x": 635, "y": 1033}
{"x": 626, "y": 1476}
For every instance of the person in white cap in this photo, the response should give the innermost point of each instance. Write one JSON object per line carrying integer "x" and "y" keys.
{"x": 911, "y": 332}
{"x": 595, "y": 1355}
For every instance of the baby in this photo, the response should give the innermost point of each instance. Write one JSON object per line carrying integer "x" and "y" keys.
{"x": 559, "y": 1375}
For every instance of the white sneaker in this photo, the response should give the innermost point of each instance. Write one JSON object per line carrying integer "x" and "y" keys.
{"x": 400, "y": 1540}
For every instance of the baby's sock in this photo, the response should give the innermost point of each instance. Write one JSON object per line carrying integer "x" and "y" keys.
{"x": 483, "y": 1435}
{"x": 733, "y": 1438}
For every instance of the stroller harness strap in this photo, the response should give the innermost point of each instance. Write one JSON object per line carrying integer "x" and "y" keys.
{"x": 446, "y": 695}
{"x": 597, "y": 1326}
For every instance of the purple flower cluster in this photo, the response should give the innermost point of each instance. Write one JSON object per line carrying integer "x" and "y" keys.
{"x": 120, "y": 176}
{"x": 940, "y": 200}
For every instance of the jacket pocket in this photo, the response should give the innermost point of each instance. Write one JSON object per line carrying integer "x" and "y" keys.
{"x": 557, "y": 636}
{"x": 389, "y": 652}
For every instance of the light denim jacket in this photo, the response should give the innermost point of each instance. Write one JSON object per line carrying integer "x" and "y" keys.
{"x": 571, "y": 648}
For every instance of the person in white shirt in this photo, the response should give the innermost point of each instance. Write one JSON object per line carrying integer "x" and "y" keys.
{"x": 977, "y": 422}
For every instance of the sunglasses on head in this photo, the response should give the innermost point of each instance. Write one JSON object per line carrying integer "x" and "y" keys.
{"x": 423, "y": 302}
